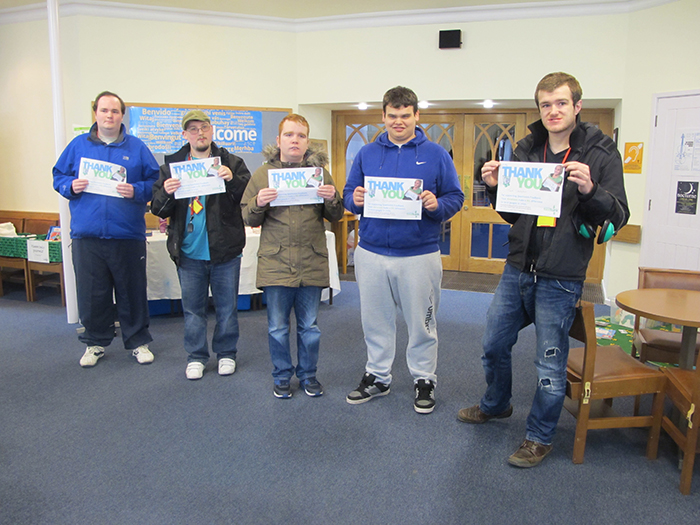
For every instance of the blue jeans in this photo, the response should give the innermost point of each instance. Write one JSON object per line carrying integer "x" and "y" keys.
{"x": 520, "y": 299}
{"x": 306, "y": 301}
{"x": 195, "y": 278}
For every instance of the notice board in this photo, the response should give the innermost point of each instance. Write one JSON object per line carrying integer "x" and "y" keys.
{"x": 242, "y": 131}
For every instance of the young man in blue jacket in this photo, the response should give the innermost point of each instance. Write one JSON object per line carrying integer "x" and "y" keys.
{"x": 547, "y": 260}
{"x": 109, "y": 232}
{"x": 397, "y": 262}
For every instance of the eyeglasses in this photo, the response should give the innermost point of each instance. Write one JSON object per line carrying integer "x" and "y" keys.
{"x": 194, "y": 130}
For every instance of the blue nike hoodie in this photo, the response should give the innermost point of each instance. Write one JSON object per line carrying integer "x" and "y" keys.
{"x": 421, "y": 159}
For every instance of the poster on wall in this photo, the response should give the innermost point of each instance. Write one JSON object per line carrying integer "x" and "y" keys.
{"x": 632, "y": 162}
{"x": 687, "y": 198}
{"x": 239, "y": 131}
{"x": 686, "y": 155}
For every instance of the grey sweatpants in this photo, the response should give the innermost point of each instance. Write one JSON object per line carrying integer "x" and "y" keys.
{"x": 411, "y": 285}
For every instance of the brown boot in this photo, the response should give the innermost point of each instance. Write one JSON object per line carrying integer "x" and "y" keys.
{"x": 476, "y": 416}
{"x": 530, "y": 454}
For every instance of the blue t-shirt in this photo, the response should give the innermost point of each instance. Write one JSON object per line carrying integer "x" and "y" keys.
{"x": 195, "y": 244}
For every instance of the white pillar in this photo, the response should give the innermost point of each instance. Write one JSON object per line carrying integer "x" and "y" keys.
{"x": 60, "y": 142}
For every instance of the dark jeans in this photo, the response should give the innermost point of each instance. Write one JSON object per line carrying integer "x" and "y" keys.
{"x": 195, "y": 279}
{"x": 306, "y": 301}
{"x": 107, "y": 269}
{"x": 521, "y": 299}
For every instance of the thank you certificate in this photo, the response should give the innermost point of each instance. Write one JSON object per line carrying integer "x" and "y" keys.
{"x": 393, "y": 198}
{"x": 103, "y": 176}
{"x": 295, "y": 185}
{"x": 197, "y": 177}
{"x": 532, "y": 188}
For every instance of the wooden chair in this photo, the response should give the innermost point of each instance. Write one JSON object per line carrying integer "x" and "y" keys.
{"x": 596, "y": 375}
{"x": 39, "y": 272}
{"x": 17, "y": 265}
{"x": 659, "y": 345}
{"x": 683, "y": 389}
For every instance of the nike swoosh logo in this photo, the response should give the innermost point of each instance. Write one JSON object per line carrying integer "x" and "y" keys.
{"x": 419, "y": 163}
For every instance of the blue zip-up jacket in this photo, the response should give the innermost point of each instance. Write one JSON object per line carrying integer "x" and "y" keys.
{"x": 99, "y": 216}
{"x": 421, "y": 159}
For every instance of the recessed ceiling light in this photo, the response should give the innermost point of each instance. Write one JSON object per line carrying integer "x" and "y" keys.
{"x": 362, "y": 106}
{"x": 423, "y": 104}
{"x": 488, "y": 104}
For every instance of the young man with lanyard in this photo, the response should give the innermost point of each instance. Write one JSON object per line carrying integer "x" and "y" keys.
{"x": 109, "y": 232}
{"x": 547, "y": 261}
{"x": 206, "y": 237}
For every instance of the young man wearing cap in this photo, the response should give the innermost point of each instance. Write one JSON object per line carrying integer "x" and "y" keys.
{"x": 547, "y": 260}
{"x": 206, "y": 237}
{"x": 109, "y": 233}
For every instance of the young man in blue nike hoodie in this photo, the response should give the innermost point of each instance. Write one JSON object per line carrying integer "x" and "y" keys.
{"x": 397, "y": 262}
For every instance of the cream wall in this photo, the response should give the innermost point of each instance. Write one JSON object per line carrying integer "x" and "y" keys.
{"x": 627, "y": 57}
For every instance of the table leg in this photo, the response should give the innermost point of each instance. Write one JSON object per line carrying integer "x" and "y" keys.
{"x": 686, "y": 360}
{"x": 344, "y": 244}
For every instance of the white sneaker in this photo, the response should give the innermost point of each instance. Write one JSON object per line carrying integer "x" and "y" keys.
{"x": 227, "y": 366}
{"x": 143, "y": 355}
{"x": 91, "y": 355}
{"x": 194, "y": 370}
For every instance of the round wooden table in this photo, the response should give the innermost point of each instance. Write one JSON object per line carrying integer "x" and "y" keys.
{"x": 670, "y": 306}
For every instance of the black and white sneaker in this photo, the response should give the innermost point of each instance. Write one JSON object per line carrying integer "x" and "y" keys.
{"x": 282, "y": 389}
{"x": 424, "y": 403}
{"x": 312, "y": 387}
{"x": 369, "y": 387}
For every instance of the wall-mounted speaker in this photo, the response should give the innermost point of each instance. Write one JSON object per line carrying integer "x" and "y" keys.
{"x": 451, "y": 39}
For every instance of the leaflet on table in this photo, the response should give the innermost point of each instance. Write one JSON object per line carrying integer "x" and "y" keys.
{"x": 295, "y": 185}
{"x": 532, "y": 188}
{"x": 197, "y": 177}
{"x": 392, "y": 198}
{"x": 103, "y": 176}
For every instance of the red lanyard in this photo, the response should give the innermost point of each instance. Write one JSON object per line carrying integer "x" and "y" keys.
{"x": 546, "y": 144}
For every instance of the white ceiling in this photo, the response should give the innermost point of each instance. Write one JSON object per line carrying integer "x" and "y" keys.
{"x": 304, "y": 9}
{"x": 305, "y": 15}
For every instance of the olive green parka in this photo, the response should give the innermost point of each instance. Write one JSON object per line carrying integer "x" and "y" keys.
{"x": 293, "y": 248}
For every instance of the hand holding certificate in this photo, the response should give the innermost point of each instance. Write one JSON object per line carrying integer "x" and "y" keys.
{"x": 532, "y": 188}
{"x": 197, "y": 177}
{"x": 295, "y": 185}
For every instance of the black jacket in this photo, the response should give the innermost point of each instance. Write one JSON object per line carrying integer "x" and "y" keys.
{"x": 564, "y": 252}
{"x": 224, "y": 221}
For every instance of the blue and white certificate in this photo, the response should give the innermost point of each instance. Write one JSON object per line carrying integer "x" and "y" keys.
{"x": 393, "y": 198}
{"x": 295, "y": 185}
{"x": 103, "y": 176}
{"x": 198, "y": 177}
{"x": 531, "y": 188}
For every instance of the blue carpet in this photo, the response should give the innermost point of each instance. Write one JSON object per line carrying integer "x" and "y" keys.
{"x": 126, "y": 444}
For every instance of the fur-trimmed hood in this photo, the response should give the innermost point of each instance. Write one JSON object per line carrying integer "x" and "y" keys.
{"x": 314, "y": 156}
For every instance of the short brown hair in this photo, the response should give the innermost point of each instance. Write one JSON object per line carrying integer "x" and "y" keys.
{"x": 400, "y": 97}
{"x": 293, "y": 117}
{"x": 554, "y": 80}
{"x": 108, "y": 94}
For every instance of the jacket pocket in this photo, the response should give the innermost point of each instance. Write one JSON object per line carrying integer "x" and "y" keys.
{"x": 269, "y": 250}
{"x": 320, "y": 249}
